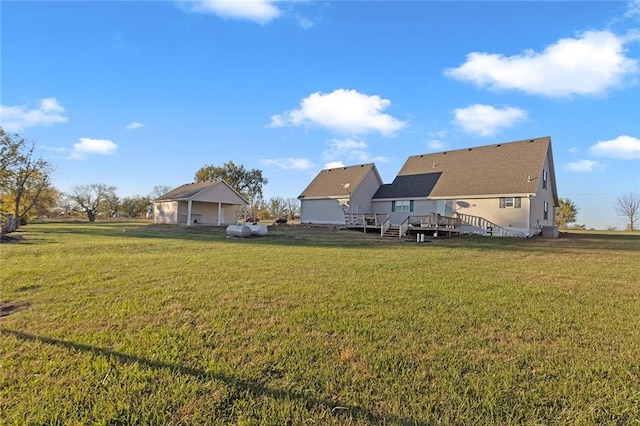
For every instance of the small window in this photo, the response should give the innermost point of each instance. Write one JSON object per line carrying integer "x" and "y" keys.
{"x": 546, "y": 211}
{"x": 402, "y": 206}
{"x": 510, "y": 202}
{"x": 544, "y": 179}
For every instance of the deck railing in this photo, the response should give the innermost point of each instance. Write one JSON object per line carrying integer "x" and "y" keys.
{"x": 365, "y": 220}
{"x": 488, "y": 227}
{"x": 385, "y": 226}
{"x": 431, "y": 222}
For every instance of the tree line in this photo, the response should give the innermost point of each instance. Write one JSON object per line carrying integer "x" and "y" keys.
{"x": 26, "y": 191}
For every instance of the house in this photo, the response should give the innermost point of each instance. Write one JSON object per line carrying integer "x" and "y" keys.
{"x": 500, "y": 189}
{"x": 213, "y": 203}
{"x": 336, "y": 194}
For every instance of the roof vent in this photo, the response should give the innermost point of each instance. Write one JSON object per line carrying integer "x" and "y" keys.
{"x": 499, "y": 145}
{"x": 445, "y": 152}
{"x": 469, "y": 149}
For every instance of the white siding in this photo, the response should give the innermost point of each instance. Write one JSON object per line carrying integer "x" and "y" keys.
{"x": 165, "y": 212}
{"x": 325, "y": 212}
{"x": 360, "y": 199}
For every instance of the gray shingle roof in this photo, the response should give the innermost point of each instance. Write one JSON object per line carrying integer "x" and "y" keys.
{"x": 331, "y": 182}
{"x": 409, "y": 186}
{"x": 504, "y": 168}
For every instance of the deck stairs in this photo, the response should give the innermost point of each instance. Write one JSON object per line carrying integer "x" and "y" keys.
{"x": 392, "y": 232}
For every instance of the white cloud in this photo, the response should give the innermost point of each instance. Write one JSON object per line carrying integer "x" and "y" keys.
{"x": 633, "y": 9}
{"x": 333, "y": 165}
{"x": 352, "y": 150}
{"x": 621, "y": 148}
{"x": 288, "y": 163}
{"x": 260, "y": 11}
{"x": 342, "y": 111}
{"x": 436, "y": 144}
{"x": 582, "y": 166}
{"x": 486, "y": 120}
{"x": 134, "y": 125}
{"x": 18, "y": 118}
{"x": 589, "y": 64}
{"x": 93, "y": 146}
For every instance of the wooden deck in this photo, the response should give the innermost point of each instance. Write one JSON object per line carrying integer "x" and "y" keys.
{"x": 433, "y": 224}
{"x": 368, "y": 221}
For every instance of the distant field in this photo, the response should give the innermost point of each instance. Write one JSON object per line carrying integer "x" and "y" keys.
{"x": 129, "y": 323}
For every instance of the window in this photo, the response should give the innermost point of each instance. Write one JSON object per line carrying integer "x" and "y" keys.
{"x": 510, "y": 202}
{"x": 402, "y": 206}
{"x": 544, "y": 179}
{"x": 546, "y": 211}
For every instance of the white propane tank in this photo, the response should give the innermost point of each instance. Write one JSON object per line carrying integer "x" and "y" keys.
{"x": 258, "y": 230}
{"x": 242, "y": 231}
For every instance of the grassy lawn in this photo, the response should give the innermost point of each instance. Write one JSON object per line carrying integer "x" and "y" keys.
{"x": 126, "y": 323}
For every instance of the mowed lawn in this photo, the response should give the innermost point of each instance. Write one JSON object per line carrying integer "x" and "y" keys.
{"x": 127, "y": 323}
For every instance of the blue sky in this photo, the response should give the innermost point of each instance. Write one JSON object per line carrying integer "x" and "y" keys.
{"x": 145, "y": 93}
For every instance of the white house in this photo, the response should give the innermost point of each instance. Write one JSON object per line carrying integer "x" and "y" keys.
{"x": 334, "y": 192}
{"x": 213, "y": 203}
{"x": 508, "y": 186}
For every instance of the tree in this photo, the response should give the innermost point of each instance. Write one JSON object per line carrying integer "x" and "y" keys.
{"x": 25, "y": 180}
{"x": 159, "y": 191}
{"x": 293, "y": 208}
{"x": 248, "y": 183}
{"x": 628, "y": 205}
{"x": 135, "y": 206}
{"x": 566, "y": 212}
{"x": 92, "y": 198}
{"x": 277, "y": 207}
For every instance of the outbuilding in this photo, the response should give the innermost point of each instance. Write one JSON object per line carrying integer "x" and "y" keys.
{"x": 211, "y": 203}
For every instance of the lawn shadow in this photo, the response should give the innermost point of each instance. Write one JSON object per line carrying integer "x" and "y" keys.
{"x": 256, "y": 389}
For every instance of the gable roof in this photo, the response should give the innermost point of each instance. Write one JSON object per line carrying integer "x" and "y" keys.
{"x": 408, "y": 186}
{"x": 338, "y": 182}
{"x": 191, "y": 190}
{"x": 500, "y": 169}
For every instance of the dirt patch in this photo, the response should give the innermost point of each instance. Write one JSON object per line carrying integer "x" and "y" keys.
{"x": 11, "y": 307}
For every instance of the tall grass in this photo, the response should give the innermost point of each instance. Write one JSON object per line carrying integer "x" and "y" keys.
{"x": 132, "y": 324}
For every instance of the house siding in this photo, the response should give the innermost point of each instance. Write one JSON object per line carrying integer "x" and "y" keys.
{"x": 322, "y": 212}
{"x": 543, "y": 195}
{"x": 165, "y": 212}
{"x": 420, "y": 208}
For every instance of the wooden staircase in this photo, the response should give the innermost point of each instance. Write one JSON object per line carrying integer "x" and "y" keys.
{"x": 392, "y": 232}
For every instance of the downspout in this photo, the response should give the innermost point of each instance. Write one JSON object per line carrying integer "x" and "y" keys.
{"x": 189, "y": 213}
{"x": 219, "y": 211}
{"x": 529, "y": 233}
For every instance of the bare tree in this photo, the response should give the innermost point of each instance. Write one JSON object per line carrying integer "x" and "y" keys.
{"x": 91, "y": 198}
{"x": 628, "y": 205}
{"x": 277, "y": 207}
{"x": 293, "y": 208}
{"x": 159, "y": 191}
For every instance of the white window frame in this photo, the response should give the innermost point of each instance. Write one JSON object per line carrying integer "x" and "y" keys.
{"x": 402, "y": 206}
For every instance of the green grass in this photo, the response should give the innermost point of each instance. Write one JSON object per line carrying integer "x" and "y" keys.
{"x": 125, "y": 323}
